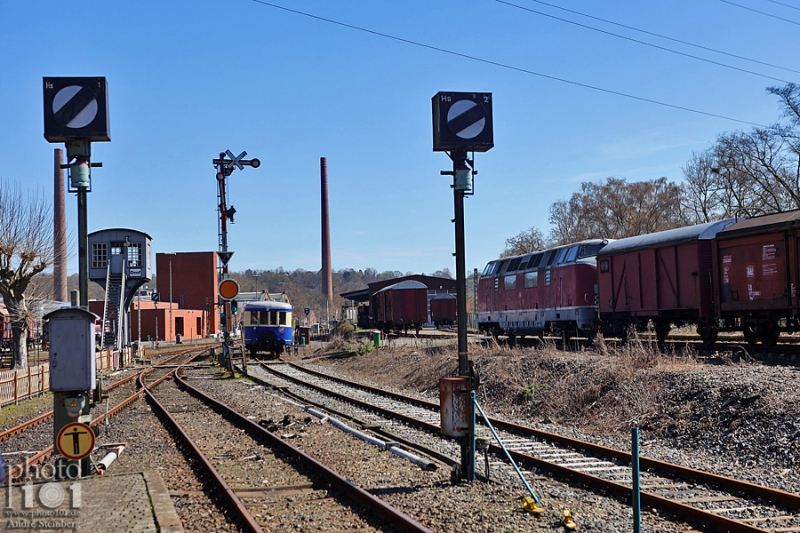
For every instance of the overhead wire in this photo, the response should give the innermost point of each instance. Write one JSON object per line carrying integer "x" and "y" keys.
{"x": 784, "y": 4}
{"x": 761, "y": 12}
{"x": 667, "y": 37}
{"x": 504, "y": 65}
{"x": 644, "y": 43}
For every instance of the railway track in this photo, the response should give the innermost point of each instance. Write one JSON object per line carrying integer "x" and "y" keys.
{"x": 279, "y": 485}
{"x": 26, "y": 437}
{"x": 703, "y": 498}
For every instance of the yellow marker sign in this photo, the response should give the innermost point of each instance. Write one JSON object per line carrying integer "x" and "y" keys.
{"x": 75, "y": 440}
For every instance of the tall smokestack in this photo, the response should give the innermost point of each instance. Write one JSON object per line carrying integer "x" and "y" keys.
{"x": 59, "y": 230}
{"x": 327, "y": 274}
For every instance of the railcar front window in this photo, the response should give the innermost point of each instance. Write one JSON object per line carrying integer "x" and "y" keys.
{"x": 282, "y": 318}
{"x": 273, "y": 318}
{"x": 253, "y": 319}
{"x": 263, "y": 318}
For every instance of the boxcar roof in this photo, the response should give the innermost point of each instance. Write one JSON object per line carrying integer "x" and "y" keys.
{"x": 668, "y": 237}
{"x": 770, "y": 222}
{"x": 408, "y": 284}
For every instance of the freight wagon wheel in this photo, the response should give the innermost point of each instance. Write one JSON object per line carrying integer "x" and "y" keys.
{"x": 662, "y": 331}
{"x": 750, "y": 335}
{"x": 708, "y": 334}
{"x": 768, "y": 333}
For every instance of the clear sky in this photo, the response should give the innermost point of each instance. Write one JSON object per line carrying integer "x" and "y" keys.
{"x": 189, "y": 79}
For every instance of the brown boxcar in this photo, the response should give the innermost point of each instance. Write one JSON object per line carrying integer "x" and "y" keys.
{"x": 756, "y": 276}
{"x": 443, "y": 309}
{"x": 662, "y": 278}
{"x": 403, "y": 305}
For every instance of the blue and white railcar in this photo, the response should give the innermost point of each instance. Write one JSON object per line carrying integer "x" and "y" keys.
{"x": 267, "y": 327}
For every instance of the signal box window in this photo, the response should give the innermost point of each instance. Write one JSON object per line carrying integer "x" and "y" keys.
{"x": 531, "y": 279}
{"x": 99, "y": 255}
{"x": 510, "y": 282}
{"x": 547, "y": 278}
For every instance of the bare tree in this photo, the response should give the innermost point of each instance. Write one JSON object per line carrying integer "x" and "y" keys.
{"x": 525, "y": 242}
{"x": 748, "y": 173}
{"x": 616, "y": 209}
{"x": 705, "y": 197}
{"x": 26, "y": 249}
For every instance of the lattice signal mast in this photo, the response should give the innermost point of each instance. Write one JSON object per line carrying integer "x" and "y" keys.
{"x": 225, "y": 167}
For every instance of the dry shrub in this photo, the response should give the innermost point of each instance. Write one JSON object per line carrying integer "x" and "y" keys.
{"x": 600, "y": 393}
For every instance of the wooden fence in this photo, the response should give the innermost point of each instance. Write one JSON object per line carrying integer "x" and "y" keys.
{"x": 18, "y": 384}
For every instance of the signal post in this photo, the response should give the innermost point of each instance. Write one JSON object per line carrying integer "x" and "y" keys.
{"x": 75, "y": 113}
{"x": 462, "y": 122}
{"x": 228, "y": 288}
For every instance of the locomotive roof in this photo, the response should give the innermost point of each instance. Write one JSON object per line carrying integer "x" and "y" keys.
{"x": 265, "y": 305}
{"x": 788, "y": 218}
{"x": 403, "y": 285}
{"x": 668, "y": 237}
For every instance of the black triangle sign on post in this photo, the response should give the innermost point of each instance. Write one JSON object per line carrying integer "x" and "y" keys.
{"x": 224, "y": 257}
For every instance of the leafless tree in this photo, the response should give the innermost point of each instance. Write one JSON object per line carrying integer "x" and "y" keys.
{"x": 748, "y": 173}
{"x": 26, "y": 249}
{"x": 525, "y": 242}
{"x": 616, "y": 209}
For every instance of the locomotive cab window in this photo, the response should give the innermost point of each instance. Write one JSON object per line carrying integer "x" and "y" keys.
{"x": 562, "y": 253}
{"x": 573, "y": 252}
{"x": 531, "y": 279}
{"x": 510, "y": 282}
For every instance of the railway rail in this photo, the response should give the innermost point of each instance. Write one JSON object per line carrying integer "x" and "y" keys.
{"x": 282, "y": 474}
{"x": 101, "y": 414}
{"x": 704, "y": 498}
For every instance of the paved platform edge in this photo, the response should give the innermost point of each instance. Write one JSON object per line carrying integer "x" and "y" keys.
{"x": 167, "y": 517}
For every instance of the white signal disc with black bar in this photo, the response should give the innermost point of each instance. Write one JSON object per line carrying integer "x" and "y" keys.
{"x": 75, "y": 108}
{"x": 462, "y": 122}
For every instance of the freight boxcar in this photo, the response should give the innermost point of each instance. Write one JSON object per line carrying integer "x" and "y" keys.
{"x": 661, "y": 279}
{"x": 403, "y": 305}
{"x": 443, "y": 309}
{"x": 756, "y": 276}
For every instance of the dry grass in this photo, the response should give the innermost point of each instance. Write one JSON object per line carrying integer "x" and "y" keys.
{"x": 607, "y": 389}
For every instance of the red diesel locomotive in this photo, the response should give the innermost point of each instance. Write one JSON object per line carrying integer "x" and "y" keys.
{"x": 552, "y": 291}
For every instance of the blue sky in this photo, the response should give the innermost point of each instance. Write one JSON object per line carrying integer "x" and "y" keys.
{"x": 188, "y": 79}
